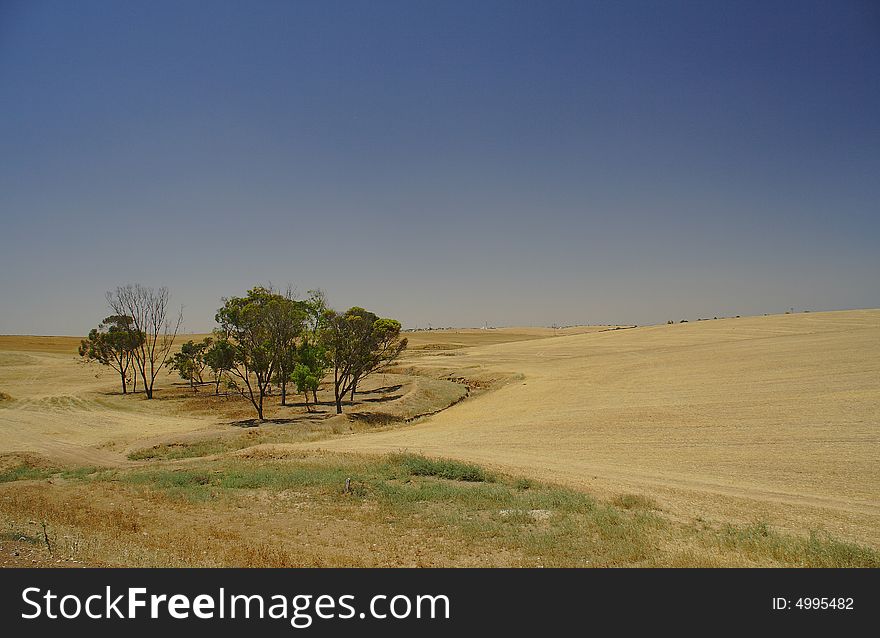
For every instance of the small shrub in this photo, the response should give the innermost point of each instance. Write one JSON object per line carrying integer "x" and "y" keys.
{"x": 417, "y": 465}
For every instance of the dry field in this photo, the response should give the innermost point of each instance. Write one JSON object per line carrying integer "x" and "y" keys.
{"x": 775, "y": 417}
{"x": 748, "y": 441}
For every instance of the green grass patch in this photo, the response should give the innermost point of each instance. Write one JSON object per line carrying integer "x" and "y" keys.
{"x": 174, "y": 451}
{"x": 417, "y": 465}
{"x": 523, "y": 484}
{"x": 232, "y": 442}
{"x": 79, "y": 472}
{"x": 759, "y": 540}
{"x": 26, "y": 472}
{"x": 201, "y": 485}
{"x": 533, "y": 523}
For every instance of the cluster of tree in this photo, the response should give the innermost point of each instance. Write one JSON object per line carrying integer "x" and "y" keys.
{"x": 263, "y": 340}
{"x": 190, "y": 361}
{"x": 275, "y": 339}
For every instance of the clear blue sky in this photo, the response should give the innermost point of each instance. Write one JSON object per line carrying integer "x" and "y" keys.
{"x": 445, "y": 163}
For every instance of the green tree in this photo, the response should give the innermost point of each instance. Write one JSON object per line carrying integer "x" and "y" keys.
{"x": 190, "y": 362}
{"x": 358, "y": 344}
{"x": 310, "y": 369}
{"x": 287, "y": 321}
{"x": 311, "y": 361}
{"x": 315, "y": 307}
{"x": 113, "y": 344}
{"x": 220, "y": 357}
{"x": 284, "y": 366}
{"x": 262, "y": 327}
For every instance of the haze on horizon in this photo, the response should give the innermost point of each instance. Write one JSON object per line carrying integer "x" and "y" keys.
{"x": 451, "y": 164}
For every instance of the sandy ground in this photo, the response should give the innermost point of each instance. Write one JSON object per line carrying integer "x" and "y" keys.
{"x": 767, "y": 417}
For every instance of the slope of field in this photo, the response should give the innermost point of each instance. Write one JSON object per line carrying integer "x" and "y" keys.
{"x": 774, "y": 418}
{"x": 453, "y": 339}
{"x": 69, "y": 411}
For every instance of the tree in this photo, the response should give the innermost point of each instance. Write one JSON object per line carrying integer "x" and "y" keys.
{"x": 358, "y": 344}
{"x": 190, "y": 361}
{"x": 286, "y": 322}
{"x": 262, "y": 328}
{"x": 220, "y": 357}
{"x": 311, "y": 361}
{"x": 311, "y": 367}
{"x": 148, "y": 310}
{"x": 112, "y": 344}
{"x": 315, "y": 313}
{"x": 384, "y": 346}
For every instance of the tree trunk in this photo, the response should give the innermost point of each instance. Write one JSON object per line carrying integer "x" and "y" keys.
{"x": 338, "y": 405}
{"x": 124, "y": 389}
{"x": 354, "y": 385}
{"x": 148, "y": 387}
{"x": 315, "y": 396}
{"x": 283, "y": 392}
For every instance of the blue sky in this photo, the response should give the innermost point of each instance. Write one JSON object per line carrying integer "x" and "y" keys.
{"x": 444, "y": 163}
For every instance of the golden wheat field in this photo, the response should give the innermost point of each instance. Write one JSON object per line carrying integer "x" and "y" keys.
{"x": 774, "y": 415}
{"x": 718, "y": 442}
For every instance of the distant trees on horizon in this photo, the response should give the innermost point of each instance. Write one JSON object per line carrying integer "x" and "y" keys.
{"x": 264, "y": 339}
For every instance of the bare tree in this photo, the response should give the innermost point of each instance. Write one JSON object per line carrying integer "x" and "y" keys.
{"x": 148, "y": 309}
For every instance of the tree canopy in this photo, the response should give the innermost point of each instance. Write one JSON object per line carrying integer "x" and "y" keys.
{"x": 261, "y": 327}
{"x": 113, "y": 343}
{"x": 358, "y": 343}
{"x": 190, "y": 362}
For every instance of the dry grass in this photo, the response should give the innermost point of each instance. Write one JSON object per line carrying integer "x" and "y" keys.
{"x": 268, "y": 509}
{"x": 28, "y": 343}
